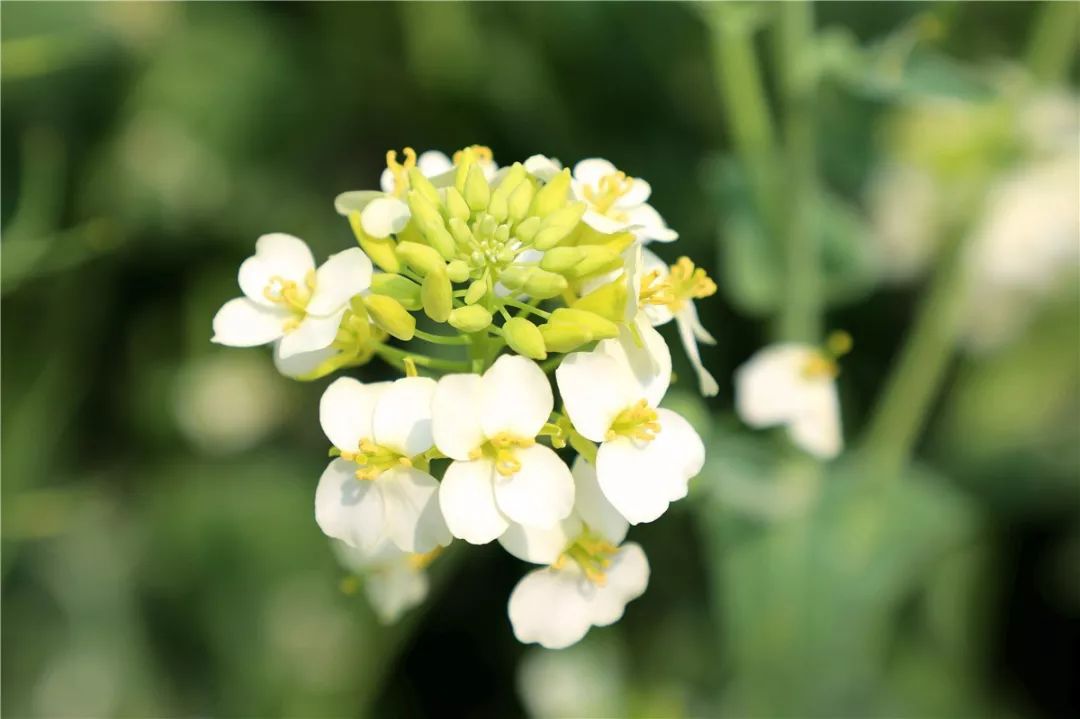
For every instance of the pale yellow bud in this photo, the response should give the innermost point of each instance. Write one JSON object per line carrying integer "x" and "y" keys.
{"x": 470, "y": 319}
{"x": 379, "y": 249}
{"x": 524, "y": 338}
{"x": 400, "y": 288}
{"x": 422, "y": 258}
{"x": 387, "y": 313}
{"x": 437, "y": 294}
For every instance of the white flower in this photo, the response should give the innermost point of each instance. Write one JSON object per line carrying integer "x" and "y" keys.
{"x": 431, "y": 164}
{"x": 393, "y": 580}
{"x": 375, "y": 491}
{"x": 646, "y": 455}
{"x": 590, "y": 579}
{"x": 488, "y": 425}
{"x": 792, "y": 385}
{"x": 617, "y": 202}
{"x": 542, "y": 167}
{"x": 287, "y": 299}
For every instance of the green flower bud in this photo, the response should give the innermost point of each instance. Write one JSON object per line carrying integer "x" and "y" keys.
{"x": 596, "y": 258}
{"x": 421, "y": 184}
{"x": 387, "y": 313}
{"x": 551, "y": 196}
{"x": 456, "y": 204}
{"x": 443, "y": 242}
{"x": 599, "y": 327}
{"x": 421, "y": 258}
{"x": 461, "y": 232}
{"x": 514, "y": 277}
{"x": 542, "y": 284}
{"x": 437, "y": 294}
{"x": 458, "y": 270}
{"x": 476, "y": 292}
{"x": 527, "y": 229}
{"x": 562, "y": 259}
{"x": 555, "y": 227}
{"x": 517, "y": 205}
{"x": 500, "y": 196}
{"x": 609, "y": 301}
{"x": 564, "y": 337}
{"x": 470, "y": 319}
{"x": 379, "y": 249}
{"x": 400, "y": 288}
{"x": 425, "y": 213}
{"x": 524, "y": 338}
{"x": 477, "y": 191}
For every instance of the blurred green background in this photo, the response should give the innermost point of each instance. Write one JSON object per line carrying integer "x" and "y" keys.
{"x": 160, "y": 556}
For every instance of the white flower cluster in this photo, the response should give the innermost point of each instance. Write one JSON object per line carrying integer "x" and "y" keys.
{"x": 534, "y": 271}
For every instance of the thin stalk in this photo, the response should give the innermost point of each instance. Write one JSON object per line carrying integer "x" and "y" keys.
{"x": 799, "y": 318}
{"x": 441, "y": 339}
{"x": 916, "y": 378}
{"x": 1052, "y": 45}
{"x": 397, "y": 357}
{"x": 527, "y": 308}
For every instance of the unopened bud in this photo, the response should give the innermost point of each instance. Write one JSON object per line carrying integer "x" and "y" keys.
{"x": 387, "y": 313}
{"x": 562, "y": 259}
{"x": 527, "y": 229}
{"x": 457, "y": 270}
{"x": 477, "y": 191}
{"x": 564, "y": 337}
{"x": 422, "y": 258}
{"x": 599, "y": 327}
{"x": 514, "y": 277}
{"x": 437, "y": 295}
{"x": 524, "y": 338}
{"x": 551, "y": 196}
{"x": 456, "y": 204}
{"x": 598, "y": 258}
{"x": 421, "y": 184}
{"x": 381, "y": 250}
{"x": 500, "y": 196}
{"x": 470, "y": 319}
{"x": 609, "y": 301}
{"x": 555, "y": 227}
{"x": 517, "y": 205}
{"x": 400, "y": 288}
{"x": 542, "y": 284}
{"x": 476, "y": 292}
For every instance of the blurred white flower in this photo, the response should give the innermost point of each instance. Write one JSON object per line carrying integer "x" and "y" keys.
{"x": 287, "y": 299}
{"x": 647, "y": 455}
{"x": 586, "y": 680}
{"x": 904, "y": 207}
{"x": 375, "y": 491}
{"x": 394, "y": 581}
{"x": 793, "y": 385}
{"x": 228, "y": 402}
{"x": 488, "y": 425}
{"x": 616, "y": 202}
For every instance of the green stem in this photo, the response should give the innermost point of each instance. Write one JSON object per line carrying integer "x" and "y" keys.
{"x": 397, "y": 357}
{"x": 441, "y": 339}
{"x": 1052, "y": 45}
{"x": 916, "y": 378}
{"x": 526, "y": 308}
{"x": 799, "y": 318}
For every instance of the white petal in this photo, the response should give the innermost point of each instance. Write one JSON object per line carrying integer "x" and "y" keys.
{"x": 301, "y": 364}
{"x": 639, "y": 193}
{"x": 516, "y": 397}
{"x": 385, "y": 553}
{"x": 650, "y": 225}
{"x": 626, "y": 580}
{"x": 394, "y": 590}
{"x": 342, "y": 276}
{"x": 277, "y": 255}
{"x": 817, "y": 428}
{"x": 455, "y": 415}
{"x": 595, "y": 387}
{"x": 414, "y": 521}
{"x": 641, "y": 479}
{"x": 649, "y": 360}
{"x": 542, "y": 168}
{"x": 433, "y": 162}
{"x": 603, "y": 223}
{"x": 313, "y": 333}
{"x": 770, "y": 386}
{"x": 467, "y": 498}
{"x": 347, "y": 508}
{"x": 356, "y": 200}
{"x": 551, "y": 607}
{"x": 402, "y": 419}
{"x": 386, "y": 181}
{"x": 590, "y": 171}
{"x": 243, "y": 323}
{"x": 706, "y": 382}
{"x": 540, "y": 546}
{"x": 384, "y": 216}
{"x": 700, "y": 332}
{"x": 539, "y": 494}
{"x": 345, "y": 411}
{"x": 593, "y": 507}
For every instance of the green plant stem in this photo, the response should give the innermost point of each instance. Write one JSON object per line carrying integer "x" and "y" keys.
{"x": 442, "y": 339}
{"x": 527, "y": 308}
{"x": 397, "y": 357}
{"x": 800, "y": 315}
{"x": 1052, "y": 44}
{"x": 916, "y": 378}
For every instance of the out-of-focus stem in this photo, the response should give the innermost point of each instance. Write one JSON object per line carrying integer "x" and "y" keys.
{"x": 397, "y": 357}
{"x": 800, "y": 313}
{"x": 1052, "y": 45}
{"x": 916, "y": 378}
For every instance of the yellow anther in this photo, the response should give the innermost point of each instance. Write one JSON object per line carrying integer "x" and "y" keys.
{"x": 349, "y": 585}
{"x": 655, "y": 291}
{"x": 684, "y": 283}
{"x": 290, "y": 295}
{"x": 374, "y": 459}
{"x": 421, "y": 561}
{"x": 838, "y": 343}
{"x": 592, "y": 554}
{"x": 502, "y": 449}
{"x": 610, "y": 189}
{"x": 480, "y": 153}
{"x": 410, "y": 367}
{"x": 638, "y": 422}
{"x": 818, "y": 366}
{"x": 400, "y": 170}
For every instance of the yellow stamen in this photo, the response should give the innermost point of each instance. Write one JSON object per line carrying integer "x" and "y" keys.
{"x": 421, "y": 561}
{"x": 818, "y": 366}
{"x": 480, "y": 153}
{"x": 638, "y": 422}
{"x": 610, "y": 189}
{"x": 410, "y": 367}
{"x": 592, "y": 554}
{"x": 684, "y": 283}
{"x": 502, "y": 449}
{"x": 374, "y": 459}
{"x": 400, "y": 170}
{"x": 838, "y": 343}
{"x": 289, "y": 294}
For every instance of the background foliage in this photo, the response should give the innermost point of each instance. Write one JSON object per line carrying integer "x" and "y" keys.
{"x": 159, "y": 551}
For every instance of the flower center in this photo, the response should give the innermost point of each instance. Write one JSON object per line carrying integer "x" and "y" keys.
{"x": 480, "y": 153}
{"x": 374, "y": 459}
{"x": 592, "y": 554}
{"x": 400, "y": 169}
{"x": 822, "y": 364}
{"x": 421, "y": 561}
{"x": 291, "y": 296}
{"x": 683, "y": 284}
{"x": 502, "y": 449}
{"x": 608, "y": 191}
{"x": 638, "y": 422}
